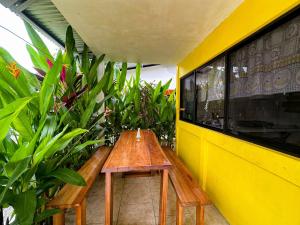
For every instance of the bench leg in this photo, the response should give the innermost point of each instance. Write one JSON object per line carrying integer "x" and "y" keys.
{"x": 108, "y": 199}
{"x": 59, "y": 218}
{"x": 200, "y": 215}
{"x": 81, "y": 213}
{"x": 179, "y": 213}
{"x": 163, "y": 197}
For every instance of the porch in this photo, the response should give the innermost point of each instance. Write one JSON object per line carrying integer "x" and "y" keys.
{"x": 231, "y": 114}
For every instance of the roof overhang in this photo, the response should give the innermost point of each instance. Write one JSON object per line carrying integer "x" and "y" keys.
{"x": 146, "y": 31}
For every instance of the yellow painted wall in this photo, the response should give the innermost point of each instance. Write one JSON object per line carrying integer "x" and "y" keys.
{"x": 249, "y": 184}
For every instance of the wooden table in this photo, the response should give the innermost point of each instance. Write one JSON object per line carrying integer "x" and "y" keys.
{"x": 130, "y": 154}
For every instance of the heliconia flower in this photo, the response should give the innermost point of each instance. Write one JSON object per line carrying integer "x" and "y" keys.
{"x": 14, "y": 70}
{"x": 50, "y": 64}
{"x": 63, "y": 72}
{"x": 169, "y": 92}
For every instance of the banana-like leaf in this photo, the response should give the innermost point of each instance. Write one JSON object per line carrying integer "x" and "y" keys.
{"x": 27, "y": 80}
{"x": 39, "y": 61}
{"x": 102, "y": 84}
{"x": 70, "y": 46}
{"x": 64, "y": 141}
{"x": 46, "y": 214}
{"x": 78, "y": 148}
{"x": 87, "y": 113}
{"x": 68, "y": 176}
{"x": 110, "y": 78}
{"x": 9, "y": 113}
{"x": 156, "y": 92}
{"x": 92, "y": 75}
{"x": 20, "y": 169}
{"x": 37, "y": 41}
{"x": 46, "y": 146}
{"x": 137, "y": 74}
{"x": 49, "y": 127}
{"x": 24, "y": 205}
{"x": 22, "y": 124}
{"x": 85, "y": 63}
{"x": 48, "y": 86}
{"x": 166, "y": 86}
{"x": 123, "y": 76}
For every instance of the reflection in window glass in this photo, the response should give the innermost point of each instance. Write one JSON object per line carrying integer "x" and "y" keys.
{"x": 265, "y": 87}
{"x": 188, "y": 98}
{"x": 210, "y": 82}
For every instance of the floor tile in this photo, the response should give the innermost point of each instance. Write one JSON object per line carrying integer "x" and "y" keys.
{"x": 136, "y": 193}
{"x": 136, "y": 202}
{"x": 134, "y": 214}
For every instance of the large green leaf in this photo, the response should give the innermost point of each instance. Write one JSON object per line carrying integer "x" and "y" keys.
{"x": 156, "y": 92}
{"x": 22, "y": 124}
{"x": 9, "y": 113}
{"x": 70, "y": 46}
{"x": 102, "y": 84}
{"x": 48, "y": 86}
{"x": 137, "y": 74}
{"x": 68, "y": 176}
{"x": 28, "y": 149}
{"x": 85, "y": 63}
{"x": 24, "y": 205}
{"x": 123, "y": 76}
{"x": 39, "y": 61}
{"x": 37, "y": 41}
{"x": 26, "y": 78}
{"x": 45, "y": 147}
{"x": 19, "y": 169}
{"x": 46, "y": 214}
{"x": 64, "y": 141}
{"x": 92, "y": 75}
{"x": 78, "y": 148}
{"x": 87, "y": 113}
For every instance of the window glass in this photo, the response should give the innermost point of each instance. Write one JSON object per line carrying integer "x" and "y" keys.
{"x": 210, "y": 84}
{"x": 188, "y": 98}
{"x": 265, "y": 87}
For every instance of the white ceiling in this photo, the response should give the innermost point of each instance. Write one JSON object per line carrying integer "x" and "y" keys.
{"x": 147, "y": 31}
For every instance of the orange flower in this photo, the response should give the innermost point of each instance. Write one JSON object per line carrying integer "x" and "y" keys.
{"x": 14, "y": 70}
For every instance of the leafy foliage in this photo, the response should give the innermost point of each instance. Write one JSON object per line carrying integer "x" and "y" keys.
{"x": 138, "y": 104}
{"x": 50, "y": 124}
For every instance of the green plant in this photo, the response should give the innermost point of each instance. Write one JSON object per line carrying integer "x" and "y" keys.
{"x": 138, "y": 104}
{"x": 47, "y": 123}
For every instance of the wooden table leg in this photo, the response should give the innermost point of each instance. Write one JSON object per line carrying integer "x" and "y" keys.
{"x": 108, "y": 199}
{"x": 81, "y": 213}
{"x": 163, "y": 197}
{"x": 59, "y": 218}
{"x": 200, "y": 215}
{"x": 179, "y": 213}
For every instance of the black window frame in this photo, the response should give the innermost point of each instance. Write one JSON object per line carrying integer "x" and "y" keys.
{"x": 191, "y": 74}
{"x": 284, "y": 147}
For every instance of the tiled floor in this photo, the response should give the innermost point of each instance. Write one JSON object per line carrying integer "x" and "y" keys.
{"x": 136, "y": 202}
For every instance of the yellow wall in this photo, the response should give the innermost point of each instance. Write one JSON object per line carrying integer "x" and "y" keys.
{"x": 248, "y": 183}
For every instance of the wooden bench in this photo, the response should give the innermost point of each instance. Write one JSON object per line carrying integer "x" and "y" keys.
{"x": 71, "y": 196}
{"x": 187, "y": 189}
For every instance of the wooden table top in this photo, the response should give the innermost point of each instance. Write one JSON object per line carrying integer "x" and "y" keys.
{"x": 130, "y": 154}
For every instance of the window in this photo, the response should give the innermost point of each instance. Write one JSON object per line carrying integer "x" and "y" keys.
{"x": 210, "y": 88}
{"x": 252, "y": 91}
{"x": 188, "y": 98}
{"x": 264, "y": 90}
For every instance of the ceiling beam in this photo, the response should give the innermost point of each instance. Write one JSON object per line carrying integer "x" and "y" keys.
{"x": 8, "y": 3}
{"x": 20, "y": 10}
{"x": 22, "y": 6}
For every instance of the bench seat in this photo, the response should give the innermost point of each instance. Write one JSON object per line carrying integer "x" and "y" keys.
{"x": 71, "y": 196}
{"x": 187, "y": 189}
